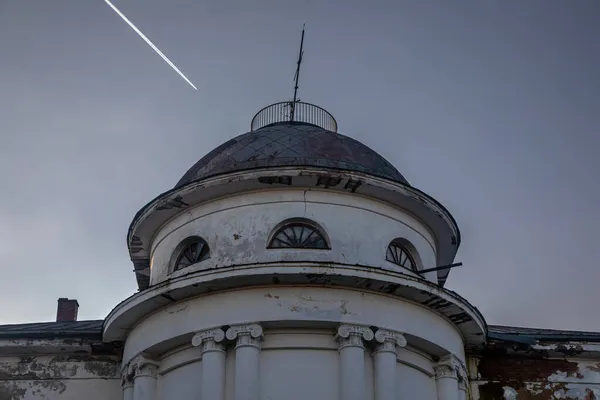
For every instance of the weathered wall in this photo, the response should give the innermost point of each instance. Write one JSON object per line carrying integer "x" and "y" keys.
{"x": 298, "y": 305}
{"x": 530, "y": 374}
{"x": 59, "y": 376}
{"x": 237, "y": 230}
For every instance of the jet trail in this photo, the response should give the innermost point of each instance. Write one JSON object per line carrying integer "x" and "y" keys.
{"x": 150, "y": 43}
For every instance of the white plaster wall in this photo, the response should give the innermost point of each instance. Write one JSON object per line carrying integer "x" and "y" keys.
{"x": 412, "y": 384}
{"x": 299, "y": 374}
{"x": 299, "y": 305}
{"x": 182, "y": 382}
{"x": 299, "y": 366}
{"x": 237, "y": 229}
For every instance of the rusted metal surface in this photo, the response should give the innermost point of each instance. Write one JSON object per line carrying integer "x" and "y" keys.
{"x": 285, "y": 145}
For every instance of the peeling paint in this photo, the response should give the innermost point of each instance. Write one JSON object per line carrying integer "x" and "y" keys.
{"x": 509, "y": 371}
{"x": 58, "y": 367}
{"x": 11, "y": 391}
{"x": 59, "y": 374}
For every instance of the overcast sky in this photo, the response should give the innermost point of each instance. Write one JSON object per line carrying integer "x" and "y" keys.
{"x": 490, "y": 106}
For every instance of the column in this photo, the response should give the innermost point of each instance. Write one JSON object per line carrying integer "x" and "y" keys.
{"x": 352, "y": 360}
{"x": 384, "y": 363}
{"x": 212, "y": 379}
{"x": 462, "y": 389}
{"x": 127, "y": 382}
{"x": 144, "y": 377}
{"x": 446, "y": 378}
{"x": 247, "y": 360}
{"x": 463, "y": 379}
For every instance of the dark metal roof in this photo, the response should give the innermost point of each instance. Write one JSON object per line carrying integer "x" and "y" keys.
{"x": 93, "y": 328}
{"x": 47, "y": 330}
{"x": 511, "y": 332}
{"x": 291, "y": 144}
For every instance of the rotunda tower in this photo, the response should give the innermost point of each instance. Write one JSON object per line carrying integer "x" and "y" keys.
{"x": 293, "y": 262}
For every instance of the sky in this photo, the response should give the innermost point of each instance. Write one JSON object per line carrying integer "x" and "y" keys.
{"x": 490, "y": 106}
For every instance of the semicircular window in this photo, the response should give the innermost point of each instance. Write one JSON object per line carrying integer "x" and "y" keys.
{"x": 298, "y": 235}
{"x": 193, "y": 252}
{"x": 399, "y": 255}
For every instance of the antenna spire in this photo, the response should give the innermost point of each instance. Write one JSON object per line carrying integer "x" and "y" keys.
{"x": 297, "y": 76}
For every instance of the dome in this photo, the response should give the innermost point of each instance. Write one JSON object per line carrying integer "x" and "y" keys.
{"x": 291, "y": 144}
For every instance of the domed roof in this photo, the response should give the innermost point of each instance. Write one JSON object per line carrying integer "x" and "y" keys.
{"x": 291, "y": 144}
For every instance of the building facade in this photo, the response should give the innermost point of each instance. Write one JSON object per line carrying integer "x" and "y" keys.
{"x": 293, "y": 262}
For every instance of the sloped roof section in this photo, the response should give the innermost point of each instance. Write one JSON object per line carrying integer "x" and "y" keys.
{"x": 291, "y": 144}
{"x": 49, "y": 330}
{"x": 500, "y": 332}
{"x": 93, "y": 329}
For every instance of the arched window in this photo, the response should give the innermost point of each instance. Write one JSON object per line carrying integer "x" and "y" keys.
{"x": 191, "y": 251}
{"x": 398, "y": 254}
{"x": 298, "y": 235}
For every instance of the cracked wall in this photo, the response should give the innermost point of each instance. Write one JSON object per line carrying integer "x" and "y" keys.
{"x": 59, "y": 376}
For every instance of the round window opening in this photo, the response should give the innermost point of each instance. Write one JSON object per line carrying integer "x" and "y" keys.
{"x": 298, "y": 235}
{"x": 399, "y": 255}
{"x": 192, "y": 253}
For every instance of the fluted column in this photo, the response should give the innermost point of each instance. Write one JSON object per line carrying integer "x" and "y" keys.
{"x": 144, "y": 377}
{"x": 127, "y": 383}
{"x": 247, "y": 360}
{"x": 384, "y": 363}
{"x": 446, "y": 378}
{"x": 212, "y": 379}
{"x": 352, "y": 360}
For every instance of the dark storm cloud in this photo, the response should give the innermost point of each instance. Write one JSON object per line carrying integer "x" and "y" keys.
{"x": 490, "y": 106}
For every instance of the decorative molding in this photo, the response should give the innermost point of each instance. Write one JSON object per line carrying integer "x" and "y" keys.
{"x": 209, "y": 340}
{"x": 353, "y": 335}
{"x": 246, "y": 335}
{"x": 389, "y": 340}
{"x": 142, "y": 365}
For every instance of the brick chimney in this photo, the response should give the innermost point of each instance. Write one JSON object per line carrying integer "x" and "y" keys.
{"x": 67, "y": 310}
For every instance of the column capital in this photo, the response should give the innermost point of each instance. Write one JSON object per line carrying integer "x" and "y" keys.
{"x": 389, "y": 340}
{"x": 142, "y": 365}
{"x": 246, "y": 335}
{"x": 209, "y": 340}
{"x": 353, "y": 335}
{"x": 444, "y": 371}
{"x": 450, "y": 366}
{"x": 126, "y": 376}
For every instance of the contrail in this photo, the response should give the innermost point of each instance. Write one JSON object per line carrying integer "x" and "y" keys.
{"x": 150, "y": 43}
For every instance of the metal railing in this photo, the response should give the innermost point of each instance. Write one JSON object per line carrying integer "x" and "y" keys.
{"x": 302, "y": 112}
